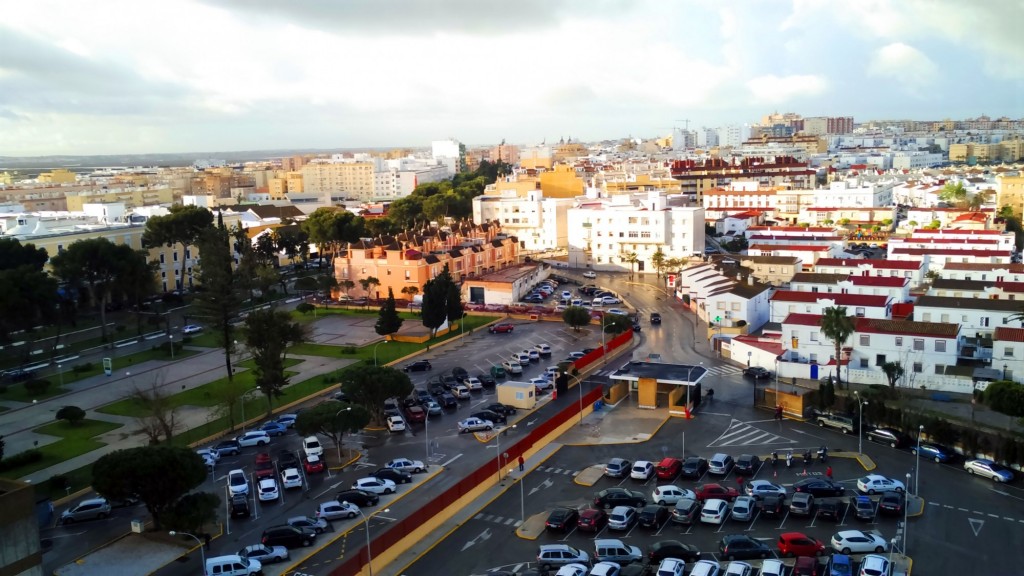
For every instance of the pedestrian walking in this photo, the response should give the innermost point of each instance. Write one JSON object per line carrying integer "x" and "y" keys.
{"x": 206, "y": 540}
{"x": 522, "y": 464}
{"x": 828, "y": 472}
{"x": 778, "y": 412}
{"x": 739, "y": 483}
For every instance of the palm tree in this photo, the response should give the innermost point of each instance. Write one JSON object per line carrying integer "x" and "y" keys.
{"x": 631, "y": 259}
{"x": 837, "y": 326}
{"x": 658, "y": 259}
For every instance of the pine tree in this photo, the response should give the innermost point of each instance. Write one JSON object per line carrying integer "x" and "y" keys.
{"x": 388, "y": 321}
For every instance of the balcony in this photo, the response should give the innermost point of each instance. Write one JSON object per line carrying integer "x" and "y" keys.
{"x": 975, "y": 348}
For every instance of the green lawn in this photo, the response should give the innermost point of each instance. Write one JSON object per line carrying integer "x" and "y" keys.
{"x": 120, "y": 363}
{"x": 199, "y": 396}
{"x": 75, "y": 441}
{"x": 18, "y": 393}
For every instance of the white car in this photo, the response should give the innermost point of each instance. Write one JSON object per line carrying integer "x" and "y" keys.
{"x": 597, "y": 303}
{"x": 461, "y": 392}
{"x": 857, "y": 542}
{"x": 334, "y": 510}
{"x": 268, "y": 490}
{"x": 374, "y": 485}
{"x": 512, "y": 367}
{"x": 736, "y": 568}
{"x": 522, "y": 357}
{"x": 590, "y": 274}
{"x": 875, "y": 565}
{"x": 474, "y": 425}
{"x": 605, "y": 569}
{"x": 543, "y": 349}
{"x": 669, "y": 495}
{"x": 237, "y": 482}
{"x": 573, "y": 569}
{"x": 291, "y": 478}
{"x": 406, "y": 465}
{"x": 192, "y": 329}
{"x": 253, "y": 438}
{"x": 743, "y": 508}
{"x": 773, "y": 568}
{"x": 551, "y": 372}
{"x": 671, "y": 567}
{"x": 714, "y": 511}
{"x": 532, "y": 354}
{"x": 705, "y": 568}
{"x": 642, "y": 470}
{"x": 610, "y": 300}
{"x": 396, "y": 424}
{"x": 311, "y": 446}
{"x": 566, "y": 295}
{"x": 209, "y": 454}
{"x": 622, "y": 518}
{"x": 873, "y": 483}
{"x": 542, "y": 383}
{"x": 474, "y": 383}
{"x": 617, "y": 311}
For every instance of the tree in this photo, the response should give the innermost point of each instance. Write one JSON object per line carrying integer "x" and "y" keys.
{"x": 220, "y": 299}
{"x": 330, "y": 228}
{"x": 576, "y": 317}
{"x": 269, "y": 333}
{"x": 160, "y": 414}
{"x": 658, "y": 260}
{"x": 837, "y": 326}
{"x": 631, "y": 259}
{"x": 368, "y": 284}
{"x": 440, "y": 302}
{"x": 369, "y": 386}
{"x": 27, "y": 293}
{"x": 136, "y": 282}
{"x": 347, "y": 285}
{"x": 616, "y": 323}
{"x": 191, "y": 512}
{"x": 893, "y": 372}
{"x": 411, "y": 292}
{"x": 228, "y": 397}
{"x": 97, "y": 264}
{"x": 72, "y": 414}
{"x": 388, "y": 321}
{"x": 332, "y": 419}
{"x": 954, "y": 193}
{"x": 181, "y": 226}
{"x": 157, "y": 475}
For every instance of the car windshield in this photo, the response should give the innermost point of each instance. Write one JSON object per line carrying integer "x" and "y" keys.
{"x": 237, "y": 480}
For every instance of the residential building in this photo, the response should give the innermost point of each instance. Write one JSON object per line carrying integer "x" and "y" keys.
{"x": 21, "y": 553}
{"x": 771, "y": 270}
{"x": 943, "y": 239}
{"x": 744, "y": 304}
{"x": 560, "y": 182}
{"x": 977, "y": 317}
{"x": 1010, "y": 192}
{"x": 698, "y": 176}
{"x": 821, "y": 125}
{"x": 995, "y": 290}
{"x": 400, "y": 177}
{"x": 738, "y": 196}
{"x": 855, "y": 193}
{"x": 983, "y": 272}
{"x": 948, "y": 217}
{"x": 817, "y": 282}
{"x": 130, "y": 197}
{"x": 808, "y": 254}
{"x": 912, "y": 270}
{"x": 57, "y": 176}
{"x": 536, "y": 157}
{"x": 786, "y": 302}
{"x": 503, "y": 287}
{"x": 736, "y": 224}
{"x": 451, "y": 153}
{"x": 540, "y": 223}
{"x": 925, "y": 350}
{"x": 353, "y": 179}
{"x": 732, "y": 135}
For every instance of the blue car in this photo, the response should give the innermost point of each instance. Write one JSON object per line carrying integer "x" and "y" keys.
{"x": 288, "y": 420}
{"x": 840, "y": 565}
{"x": 935, "y": 452}
{"x": 274, "y": 429}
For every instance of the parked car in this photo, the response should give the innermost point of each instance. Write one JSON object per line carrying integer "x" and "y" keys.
{"x": 612, "y": 497}
{"x": 819, "y": 487}
{"x": 447, "y": 401}
{"x": 489, "y": 415}
{"x": 894, "y": 438}
{"x": 669, "y": 495}
{"x": 396, "y": 424}
{"x": 709, "y": 491}
{"x": 360, "y": 498}
{"x": 694, "y": 467}
{"x": 512, "y": 367}
{"x": 418, "y": 366}
{"x": 253, "y": 438}
{"x": 263, "y": 467}
{"x": 551, "y": 555}
{"x": 415, "y": 414}
{"x": 873, "y": 483}
{"x": 799, "y": 544}
{"x": 239, "y": 506}
{"x": 288, "y": 536}
{"x": 642, "y": 470}
{"x": 857, "y": 542}
{"x": 89, "y": 509}
{"x": 227, "y": 448}
{"x": 592, "y": 520}
{"x": 407, "y": 465}
{"x": 311, "y": 446}
{"x": 238, "y": 482}
{"x": 653, "y": 516}
{"x": 264, "y": 554}
{"x": 374, "y": 485}
{"x": 742, "y": 547}
{"x": 838, "y": 565}
{"x": 395, "y": 475}
{"x": 268, "y": 490}
{"x": 617, "y": 468}
{"x": 274, "y": 428}
{"x": 486, "y": 380}
{"x": 312, "y": 464}
{"x": 191, "y": 329}
{"x": 714, "y": 511}
{"x": 988, "y": 469}
{"x": 936, "y": 452}
{"x": 863, "y": 507}
{"x": 720, "y": 464}
{"x": 743, "y": 508}
{"x": 622, "y": 518}
{"x": 287, "y": 419}
{"x": 335, "y": 510}
{"x": 590, "y": 274}
{"x": 686, "y": 511}
{"x": 668, "y": 468}
{"x": 319, "y": 525}
{"x": 501, "y": 408}
{"x": 891, "y": 503}
{"x": 761, "y": 488}
{"x": 875, "y": 565}
{"x": 757, "y": 372}
{"x": 474, "y": 425}
{"x": 562, "y": 518}
{"x": 503, "y": 328}
{"x": 772, "y": 505}
{"x": 844, "y": 422}
{"x": 802, "y": 504}
{"x": 672, "y": 549}
{"x": 291, "y": 478}
{"x": 829, "y": 509}
{"x": 287, "y": 459}
{"x": 747, "y": 464}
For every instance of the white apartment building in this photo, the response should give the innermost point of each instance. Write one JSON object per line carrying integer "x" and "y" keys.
{"x": 983, "y": 272}
{"x": 907, "y": 160}
{"x": 733, "y": 135}
{"x": 976, "y": 316}
{"x": 399, "y": 177}
{"x": 742, "y": 302}
{"x": 854, "y": 193}
{"x": 540, "y": 223}
{"x": 603, "y": 231}
{"x": 786, "y": 302}
{"x": 911, "y": 270}
{"x": 450, "y": 153}
{"x": 943, "y": 239}
{"x": 738, "y": 196}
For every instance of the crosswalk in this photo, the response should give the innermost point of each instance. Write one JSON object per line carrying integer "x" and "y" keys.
{"x": 742, "y": 434}
{"x": 499, "y": 520}
{"x": 562, "y": 471}
{"x": 723, "y": 370}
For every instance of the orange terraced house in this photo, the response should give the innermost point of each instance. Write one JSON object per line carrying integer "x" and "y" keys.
{"x": 412, "y": 258}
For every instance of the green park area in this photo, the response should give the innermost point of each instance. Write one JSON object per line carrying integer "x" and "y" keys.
{"x": 75, "y": 440}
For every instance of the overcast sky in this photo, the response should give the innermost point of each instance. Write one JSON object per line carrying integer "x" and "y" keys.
{"x": 131, "y": 76}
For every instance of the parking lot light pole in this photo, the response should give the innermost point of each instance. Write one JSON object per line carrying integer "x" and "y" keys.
{"x": 917, "y": 463}
{"x": 366, "y": 522}
{"x": 426, "y": 434}
{"x": 346, "y": 409}
{"x": 689, "y": 382}
{"x": 579, "y": 384}
{"x": 202, "y": 552}
{"x": 170, "y": 338}
{"x": 522, "y": 496}
{"x": 905, "y": 526}
{"x": 860, "y": 422}
{"x": 375, "y": 350}
{"x": 60, "y": 371}
{"x": 497, "y": 444}
{"x": 241, "y": 401}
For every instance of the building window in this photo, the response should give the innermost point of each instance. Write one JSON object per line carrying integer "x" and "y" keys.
{"x": 899, "y": 341}
{"x": 926, "y": 317}
{"x": 918, "y": 368}
{"x": 863, "y": 362}
{"x": 859, "y": 311}
{"x": 940, "y": 369}
{"x": 175, "y": 256}
{"x": 919, "y": 344}
{"x": 408, "y": 275}
{"x": 162, "y": 259}
{"x": 940, "y": 345}
{"x": 944, "y": 318}
{"x": 814, "y": 336}
{"x": 1008, "y": 352}
{"x": 879, "y": 359}
{"x": 865, "y": 340}
{"x": 984, "y": 321}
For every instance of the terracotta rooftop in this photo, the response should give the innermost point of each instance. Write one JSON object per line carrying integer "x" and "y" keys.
{"x": 840, "y": 299}
{"x": 872, "y": 263}
{"x": 906, "y": 327}
{"x": 1007, "y": 334}
{"x": 803, "y": 319}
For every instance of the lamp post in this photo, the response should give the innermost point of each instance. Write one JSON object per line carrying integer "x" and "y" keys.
{"x": 522, "y": 497}
{"x": 917, "y": 456}
{"x": 497, "y": 444}
{"x": 905, "y": 526}
{"x": 241, "y": 401}
{"x": 170, "y": 338}
{"x": 346, "y": 409}
{"x": 60, "y": 371}
{"x": 366, "y": 522}
{"x": 860, "y": 422}
{"x": 426, "y": 431}
{"x": 579, "y": 384}
{"x": 1004, "y": 371}
{"x": 202, "y": 552}
{"x": 375, "y": 350}
{"x": 776, "y": 380}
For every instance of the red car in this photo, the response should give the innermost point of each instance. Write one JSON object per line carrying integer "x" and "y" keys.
{"x": 709, "y": 491}
{"x": 799, "y": 544}
{"x": 592, "y": 520}
{"x": 313, "y": 464}
{"x": 501, "y": 329}
{"x": 668, "y": 468}
{"x": 264, "y": 467}
{"x": 415, "y": 414}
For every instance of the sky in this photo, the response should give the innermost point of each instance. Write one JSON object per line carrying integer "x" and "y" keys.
{"x": 171, "y": 76}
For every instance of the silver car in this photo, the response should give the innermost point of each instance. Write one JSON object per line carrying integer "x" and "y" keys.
{"x": 988, "y": 469}
{"x": 743, "y": 508}
{"x": 91, "y": 509}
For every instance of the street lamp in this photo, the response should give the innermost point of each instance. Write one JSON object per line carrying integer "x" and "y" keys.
{"x": 497, "y": 444}
{"x": 522, "y": 496}
{"x": 60, "y": 371}
{"x": 905, "y": 526}
{"x": 917, "y": 464}
{"x": 241, "y": 401}
{"x": 346, "y": 409}
{"x": 202, "y": 552}
{"x": 860, "y": 422}
{"x": 426, "y": 431}
{"x": 366, "y": 521}
{"x": 375, "y": 350}
{"x": 170, "y": 338}
{"x": 579, "y": 384}
{"x": 776, "y": 380}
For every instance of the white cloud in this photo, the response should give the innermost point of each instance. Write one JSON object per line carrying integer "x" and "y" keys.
{"x": 910, "y": 67}
{"x": 772, "y": 89}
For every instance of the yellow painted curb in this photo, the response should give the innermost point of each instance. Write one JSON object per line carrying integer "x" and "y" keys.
{"x": 921, "y": 513}
{"x": 596, "y": 471}
{"x": 533, "y": 527}
{"x": 354, "y": 459}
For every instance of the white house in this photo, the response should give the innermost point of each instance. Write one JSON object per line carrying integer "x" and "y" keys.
{"x": 994, "y": 290}
{"x": 977, "y": 317}
{"x": 743, "y": 301}
{"x": 896, "y": 288}
{"x": 984, "y": 272}
{"x": 540, "y": 223}
{"x": 1008, "y": 352}
{"x": 924, "y": 349}
{"x": 911, "y": 270}
{"x": 817, "y": 282}
{"x": 786, "y": 302}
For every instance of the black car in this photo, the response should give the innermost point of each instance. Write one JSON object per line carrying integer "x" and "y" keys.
{"x": 501, "y": 408}
{"x": 449, "y": 381}
{"x": 418, "y": 366}
{"x": 637, "y": 327}
{"x": 747, "y": 464}
{"x": 653, "y": 516}
{"x": 239, "y": 506}
{"x": 460, "y": 374}
{"x": 446, "y": 400}
{"x": 15, "y": 375}
{"x": 819, "y": 487}
{"x": 891, "y": 503}
{"x": 562, "y": 518}
{"x": 757, "y": 372}
{"x": 894, "y": 438}
{"x": 288, "y": 536}
{"x": 772, "y": 505}
{"x": 655, "y": 318}
{"x": 672, "y": 549}
{"x": 396, "y": 476}
{"x": 829, "y": 508}
{"x": 486, "y": 380}
{"x": 742, "y": 547}
{"x": 686, "y": 511}
{"x": 694, "y": 467}
{"x": 490, "y": 415}
{"x": 863, "y": 507}
{"x": 286, "y": 459}
{"x": 360, "y": 498}
{"x": 422, "y": 396}
{"x": 436, "y": 386}
{"x": 612, "y": 497}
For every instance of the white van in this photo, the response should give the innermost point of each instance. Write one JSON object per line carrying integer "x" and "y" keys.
{"x": 232, "y": 565}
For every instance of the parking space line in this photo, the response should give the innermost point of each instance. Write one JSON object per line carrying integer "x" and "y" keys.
{"x": 753, "y": 520}
{"x": 963, "y": 509}
{"x": 784, "y": 518}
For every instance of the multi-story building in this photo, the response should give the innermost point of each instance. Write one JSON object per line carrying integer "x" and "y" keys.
{"x": 821, "y": 125}
{"x": 397, "y": 178}
{"x": 539, "y": 223}
{"x": 536, "y": 158}
{"x": 1010, "y": 192}
{"x": 411, "y": 259}
{"x": 20, "y": 551}
{"x": 771, "y": 270}
{"x": 786, "y": 302}
{"x": 130, "y": 197}
{"x": 57, "y": 176}
{"x": 604, "y": 232}
{"x": 560, "y": 182}
{"x": 983, "y": 272}
{"x": 912, "y": 270}
{"x": 976, "y": 316}
{"x": 354, "y": 179}
{"x": 738, "y": 196}
{"x": 696, "y": 177}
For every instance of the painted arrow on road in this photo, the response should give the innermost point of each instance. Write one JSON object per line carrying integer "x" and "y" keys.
{"x": 545, "y": 484}
{"x": 530, "y": 422}
{"x": 486, "y": 534}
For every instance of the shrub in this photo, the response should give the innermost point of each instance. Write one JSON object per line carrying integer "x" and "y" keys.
{"x": 20, "y": 459}
{"x": 84, "y": 367}
{"x": 348, "y": 350}
{"x": 305, "y": 308}
{"x": 37, "y": 386}
{"x": 73, "y": 414}
{"x": 59, "y": 482}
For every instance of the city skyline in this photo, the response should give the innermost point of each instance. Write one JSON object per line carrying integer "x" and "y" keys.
{"x": 208, "y": 75}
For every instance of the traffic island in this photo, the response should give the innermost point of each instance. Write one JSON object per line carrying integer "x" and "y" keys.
{"x": 915, "y": 505}
{"x": 533, "y": 527}
{"x": 590, "y": 475}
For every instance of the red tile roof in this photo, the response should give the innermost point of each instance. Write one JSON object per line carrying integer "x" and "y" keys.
{"x": 766, "y": 344}
{"x": 792, "y": 228}
{"x": 791, "y": 247}
{"x": 886, "y": 281}
{"x": 872, "y": 263}
{"x": 956, "y": 232}
{"x": 803, "y": 319}
{"x": 971, "y": 217}
{"x": 944, "y": 240}
{"x": 951, "y": 252}
{"x": 745, "y": 215}
{"x": 906, "y": 328}
{"x": 1007, "y": 334}
{"x": 839, "y": 298}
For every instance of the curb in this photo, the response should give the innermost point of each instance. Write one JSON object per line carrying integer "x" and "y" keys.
{"x": 920, "y": 512}
{"x": 599, "y": 469}
{"x": 533, "y": 531}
